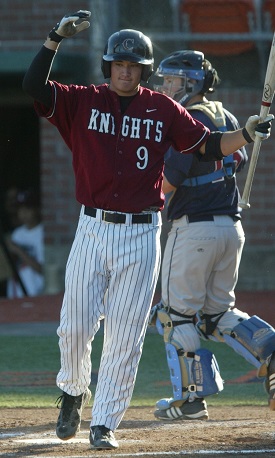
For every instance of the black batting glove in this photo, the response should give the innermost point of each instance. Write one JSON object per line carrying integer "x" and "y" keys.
{"x": 67, "y": 27}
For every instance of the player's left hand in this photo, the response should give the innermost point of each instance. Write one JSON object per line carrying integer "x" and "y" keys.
{"x": 68, "y": 27}
{"x": 260, "y": 129}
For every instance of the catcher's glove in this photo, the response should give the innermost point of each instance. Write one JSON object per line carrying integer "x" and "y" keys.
{"x": 67, "y": 27}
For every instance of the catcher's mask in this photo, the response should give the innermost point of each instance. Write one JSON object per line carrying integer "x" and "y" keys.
{"x": 128, "y": 45}
{"x": 185, "y": 74}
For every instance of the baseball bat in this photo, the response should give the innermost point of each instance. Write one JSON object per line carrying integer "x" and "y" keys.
{"x": 267, "y": 97}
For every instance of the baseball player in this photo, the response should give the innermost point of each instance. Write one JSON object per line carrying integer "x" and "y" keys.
{"x": 118, "y": 134}
{"x": 203, "y": 253}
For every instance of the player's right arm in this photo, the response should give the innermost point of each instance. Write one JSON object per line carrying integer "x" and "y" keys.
{"x": 36, "y": 82}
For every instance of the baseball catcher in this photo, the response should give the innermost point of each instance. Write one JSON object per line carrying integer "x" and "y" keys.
{"x": 203, "y": 253}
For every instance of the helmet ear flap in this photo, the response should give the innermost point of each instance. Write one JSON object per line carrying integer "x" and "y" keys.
{"x": 106, "y": 68}
{"x": 147, "y": 71}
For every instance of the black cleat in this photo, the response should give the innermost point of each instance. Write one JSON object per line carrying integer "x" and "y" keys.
{"x": 69, "y": 419}
{"x": 102, "y": 438}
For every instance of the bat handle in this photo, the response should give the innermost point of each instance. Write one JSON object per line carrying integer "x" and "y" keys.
{"x": 244, "y": 202}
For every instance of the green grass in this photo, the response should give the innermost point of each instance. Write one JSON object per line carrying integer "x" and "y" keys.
{"x": 39, "y": 354}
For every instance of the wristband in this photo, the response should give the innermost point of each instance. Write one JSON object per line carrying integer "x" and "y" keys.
{"x": 54, "y": 36}
{"x": 246, "y": 136}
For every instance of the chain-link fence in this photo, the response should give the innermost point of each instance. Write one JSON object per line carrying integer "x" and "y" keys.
{"x": 164, "y": 22}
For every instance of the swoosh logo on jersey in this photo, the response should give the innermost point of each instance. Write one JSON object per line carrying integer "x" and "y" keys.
{"x": 149, "y": 111}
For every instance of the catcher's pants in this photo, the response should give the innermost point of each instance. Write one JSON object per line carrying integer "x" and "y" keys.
{"x": 111, "y": 273}
{"x": 200, "y": 271}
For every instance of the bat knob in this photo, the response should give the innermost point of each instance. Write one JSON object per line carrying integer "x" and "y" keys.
{"x": 244, "y": 205}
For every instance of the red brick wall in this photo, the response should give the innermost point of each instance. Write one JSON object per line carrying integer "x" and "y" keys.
{"x": 33, "y": 19}
{"x": 60, "y": 209}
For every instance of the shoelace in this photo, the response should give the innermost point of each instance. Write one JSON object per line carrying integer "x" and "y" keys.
{"x": 65, "y": 402}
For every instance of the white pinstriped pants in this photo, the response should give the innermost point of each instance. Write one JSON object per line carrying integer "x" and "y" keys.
{"x": 111, "y": 273}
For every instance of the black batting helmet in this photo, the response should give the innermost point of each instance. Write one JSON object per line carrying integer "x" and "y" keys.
{"x": 130, "y": 45}
{"x": 190, "y": 65}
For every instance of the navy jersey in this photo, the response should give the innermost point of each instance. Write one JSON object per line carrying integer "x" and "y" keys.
{"x": 217, "y": 197}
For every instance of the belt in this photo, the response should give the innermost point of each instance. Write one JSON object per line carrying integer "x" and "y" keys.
{"x": 198, "y": 218}
{"x": 118, "y": 218}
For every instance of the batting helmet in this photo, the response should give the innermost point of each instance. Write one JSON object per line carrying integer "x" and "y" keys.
{"x": 188, "y": 65}
{"x": 130, "y": 45}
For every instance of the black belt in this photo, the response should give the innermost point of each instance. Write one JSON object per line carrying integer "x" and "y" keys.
{"x": 198, "y": 218}
{"x": 119, "y": 218}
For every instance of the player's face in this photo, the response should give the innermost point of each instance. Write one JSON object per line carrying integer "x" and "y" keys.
{"x": 125, "y": 77}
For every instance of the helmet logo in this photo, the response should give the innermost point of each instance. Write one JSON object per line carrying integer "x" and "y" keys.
{"x": 128, "y": 44}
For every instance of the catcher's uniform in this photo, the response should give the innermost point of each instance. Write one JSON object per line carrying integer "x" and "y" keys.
{"x": 200, "y": 266}
{"x": 203, "y": 251}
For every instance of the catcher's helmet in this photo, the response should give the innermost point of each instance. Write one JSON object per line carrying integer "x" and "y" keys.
{"x": 188, "y": 65}
{"x": 130, "y": 45}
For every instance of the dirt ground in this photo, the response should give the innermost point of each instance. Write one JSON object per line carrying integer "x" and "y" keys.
{"x": 230, "y": 431}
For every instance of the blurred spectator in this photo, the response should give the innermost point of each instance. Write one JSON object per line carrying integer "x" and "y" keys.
{"x": 10, "y": 218}
{"x": 8, "y": 222}
{"x": 26, "y": 245}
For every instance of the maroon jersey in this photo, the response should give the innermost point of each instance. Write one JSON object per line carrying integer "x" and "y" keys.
{"x": 118, "y": 159}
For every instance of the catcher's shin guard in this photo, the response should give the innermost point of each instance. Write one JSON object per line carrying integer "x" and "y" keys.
{"x": 194, "y": 373}
{"x": 254, "y": 339}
